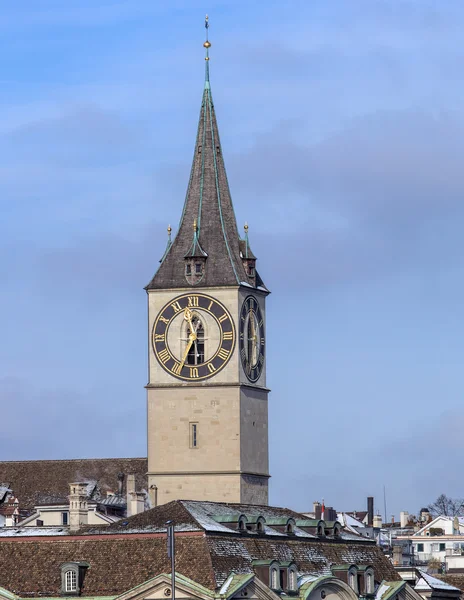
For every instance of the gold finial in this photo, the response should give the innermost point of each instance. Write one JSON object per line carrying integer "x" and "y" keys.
{"x": 207, "y": 43}
{"x": 195, "y": 228}
{"x": 169, "y": 230}
{"x": 245, "y": 227}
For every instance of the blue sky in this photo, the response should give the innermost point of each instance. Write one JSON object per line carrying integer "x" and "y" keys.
{"x": 342, "y": 130}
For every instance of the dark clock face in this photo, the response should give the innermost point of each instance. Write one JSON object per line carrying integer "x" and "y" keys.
{"x": 193, "y": 337}
{"x": 252, "y": 344}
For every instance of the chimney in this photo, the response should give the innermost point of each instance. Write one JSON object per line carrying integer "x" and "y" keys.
{"x": 136, "y": 504}
{"x": 317, "y": 511}
{"x": 397, "y": 556}
{"x": 130, "y": 489}
{"x": 377, "y": 521}
{"x": 78, "y": 507}
{"x": 404, "y": 518}
{"x": 120, "y": 483}
{"x": 370, "y": 511}
{"x": 153, "y": 492}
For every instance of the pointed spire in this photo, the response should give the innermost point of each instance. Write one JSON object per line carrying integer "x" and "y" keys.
{"x": 208, "y": 205}
{"x": 245, "y": 227}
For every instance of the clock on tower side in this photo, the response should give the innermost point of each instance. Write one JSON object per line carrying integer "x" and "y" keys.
{"x": 206, "y": 391}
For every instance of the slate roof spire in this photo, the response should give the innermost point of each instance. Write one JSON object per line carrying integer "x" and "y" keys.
{"x": 209, "y": 210}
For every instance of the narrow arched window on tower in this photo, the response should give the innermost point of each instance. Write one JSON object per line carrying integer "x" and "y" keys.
{"x": 196, "y": 353}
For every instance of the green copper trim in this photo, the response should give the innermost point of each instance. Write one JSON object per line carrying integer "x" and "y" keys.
{"x": 202, "y": 176}
{"x": 218, "y": 193}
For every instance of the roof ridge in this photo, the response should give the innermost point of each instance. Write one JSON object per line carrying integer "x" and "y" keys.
{"x": 4, "y": 462}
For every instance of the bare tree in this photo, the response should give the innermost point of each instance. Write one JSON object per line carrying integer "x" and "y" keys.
{"x": 447, "y": 507}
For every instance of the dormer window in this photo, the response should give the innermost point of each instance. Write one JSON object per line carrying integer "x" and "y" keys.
{"x": 353, "y": 578}
{"x": 260, "y": 525}
{"x": 292, "y": 580}
{"x": 251, "y": 268}
{"x": 198, "y": 268}
{"x": 369, "y": 583}
{"x": 242, "y": 524}
{"x": 274, "y": 578}
{"x": 70, "y": 581}
{"x": 188, "y": 269}
{"x": 72, "y": 577}
{"x": 290, "y": 527}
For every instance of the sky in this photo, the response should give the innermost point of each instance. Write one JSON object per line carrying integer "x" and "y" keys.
{"x": 341, "y": 124}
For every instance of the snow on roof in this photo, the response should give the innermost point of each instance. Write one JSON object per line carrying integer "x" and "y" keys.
{"x": 4, "y": 489}
{"x": 347, "y": 520}
{"x": 427, "y": 582}
{"x": 32, "y": 531}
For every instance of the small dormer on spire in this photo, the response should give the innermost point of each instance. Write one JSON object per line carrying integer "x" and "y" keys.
{"x": 248, "y": 258}
{"x": 195, "y": 259}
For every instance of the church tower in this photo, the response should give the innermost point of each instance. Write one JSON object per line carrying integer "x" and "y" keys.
{"x": 206, "y": 394}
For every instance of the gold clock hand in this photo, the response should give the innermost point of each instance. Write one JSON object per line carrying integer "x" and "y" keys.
{"x": 189, "y": 345}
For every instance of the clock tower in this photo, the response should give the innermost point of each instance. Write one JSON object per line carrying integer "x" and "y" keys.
{"x": 206, "y": 393}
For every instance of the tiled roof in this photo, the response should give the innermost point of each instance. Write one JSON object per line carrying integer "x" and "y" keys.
{"x": 454, "y": 579}
{"x": 116, "y": 564}
{"x": 208, "y": 204}
{"x": 129, "y": 552}
{"x": 33, "y": 481}
{"x": 311, "y": 556}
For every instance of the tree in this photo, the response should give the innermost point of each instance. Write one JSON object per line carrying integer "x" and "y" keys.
{"x": 447, "y": 507}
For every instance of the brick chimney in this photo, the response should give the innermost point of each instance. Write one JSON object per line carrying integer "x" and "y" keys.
{"x": 370, "y": 510}
{"x": 78, "y": 507}
{"x": 130, "y": 489}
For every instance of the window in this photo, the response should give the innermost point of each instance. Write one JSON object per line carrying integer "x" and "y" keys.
{"x": 420, "y": 547}
{"x": 193, "y": 435}
{"x": 360, "y": 583}
{"x": 353, "y": 579}
{"x": 196, "y": 353}
{"x": 290, "y": 527}
{"x": 64, "y": 518}
{"x": 274, "y": 579}
{"x": 442, "y": 547}
{"x": 70, "y": 581}
{"x": 369, "y": 581}
{"x": 292, "y": 580}
{"x": 260, "y": 525}
{"x": 198, "y": 268}
{"x": 242, "y": 524}
{"x": 188, "y": 269}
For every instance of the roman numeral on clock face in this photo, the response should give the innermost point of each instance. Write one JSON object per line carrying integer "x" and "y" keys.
{"x": 164, "y": 356}
{"x": 224, "y": 354}
{"x": 176, "y": 306}
{"x": 193, "y": 300}
{"x": 228, "y": 335}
